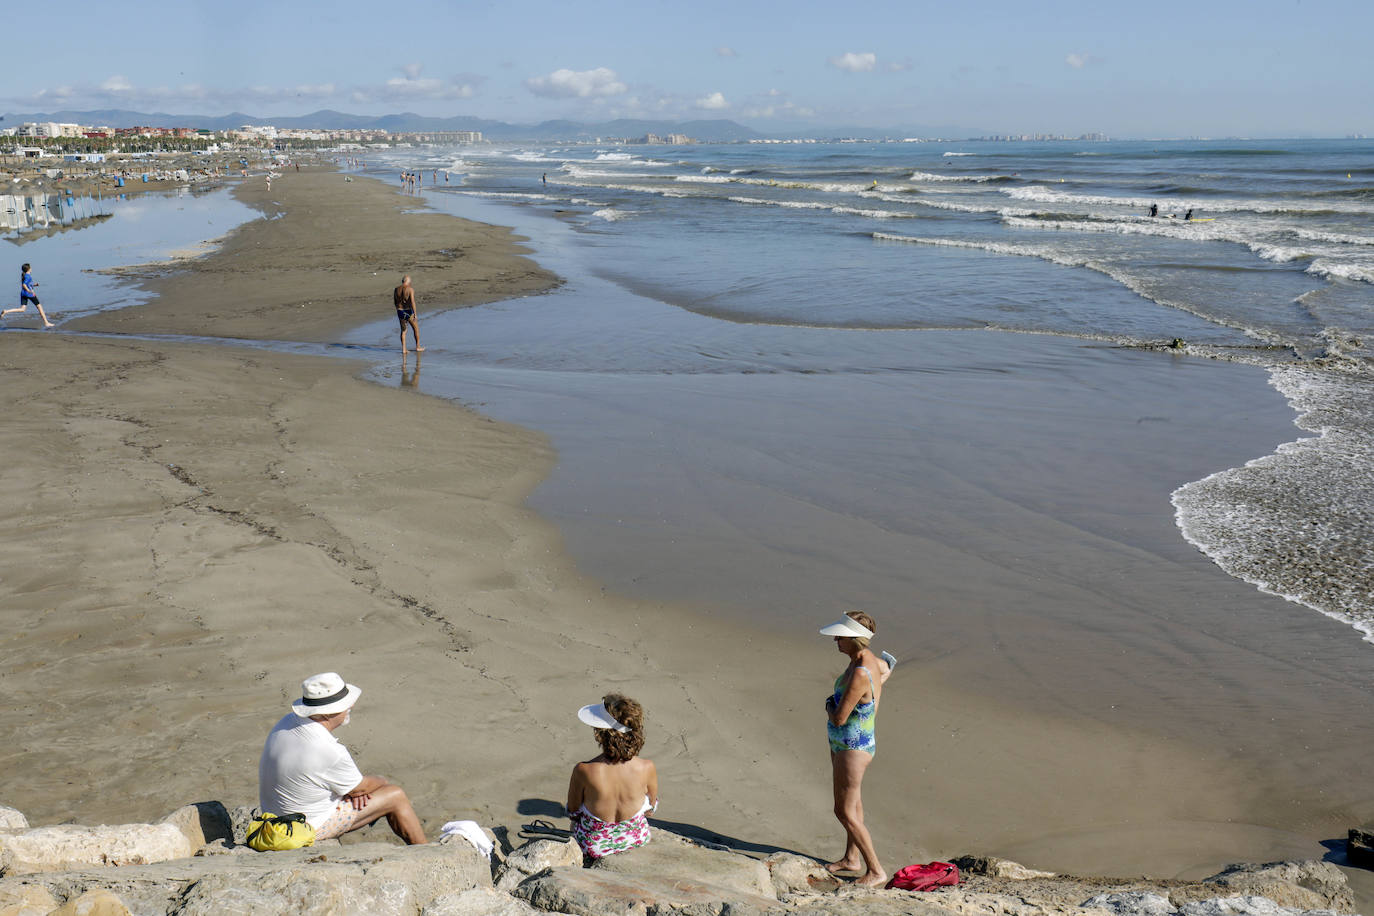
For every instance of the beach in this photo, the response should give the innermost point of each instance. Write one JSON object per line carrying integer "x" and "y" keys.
{"x": 195, "y": 528}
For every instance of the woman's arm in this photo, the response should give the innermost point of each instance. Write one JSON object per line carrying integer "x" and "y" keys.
{"x": 853, "y": 693}
{"x": 653, "y": 783}
{"x": 577, "y": 789}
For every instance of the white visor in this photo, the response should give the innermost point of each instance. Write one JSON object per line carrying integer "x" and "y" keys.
{"x": 847, "y": 626}
{"x": 597, "y": 716}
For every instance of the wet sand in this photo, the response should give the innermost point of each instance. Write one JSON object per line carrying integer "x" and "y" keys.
{"x": 194, "y": 529}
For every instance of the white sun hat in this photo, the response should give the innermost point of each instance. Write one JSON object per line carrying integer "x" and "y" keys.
{"x": 598, "y": 716}
{"x": 847, "y": 626}
{"x": 324, "y": 695}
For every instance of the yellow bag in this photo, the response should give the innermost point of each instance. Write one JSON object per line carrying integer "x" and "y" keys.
{"x": 276, "y": 832}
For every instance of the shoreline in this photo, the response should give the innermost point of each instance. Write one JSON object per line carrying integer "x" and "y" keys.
{"x": 342, "y": 505}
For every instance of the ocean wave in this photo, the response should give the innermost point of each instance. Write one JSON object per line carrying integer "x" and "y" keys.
{"x": 614, "y": 157}
{"x": 821, "y": 205}
{"x": 1213, "y": 205}
{"x": 959, "y": 154}
{"x": 968, "y": 179}
{"x": 1296, "y": 523}
{"x": 1116, "y": 272}
{"x": 1340, "y": 238}
{"x": 610, "y": 214}
{"x": 1341, "y": 270}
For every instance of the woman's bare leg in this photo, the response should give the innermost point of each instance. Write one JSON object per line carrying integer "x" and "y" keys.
{"x": 849, "y": 767}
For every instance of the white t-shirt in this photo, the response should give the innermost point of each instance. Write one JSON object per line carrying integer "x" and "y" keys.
{"x": 304, "y": 770}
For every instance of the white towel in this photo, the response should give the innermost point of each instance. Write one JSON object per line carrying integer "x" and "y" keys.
{"x": 470, "y": 831}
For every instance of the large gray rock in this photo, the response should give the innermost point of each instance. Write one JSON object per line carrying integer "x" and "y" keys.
{"x": 480, "y": 901}
{"x": 365, "y": 878}
{"x": 993, "y": 867}
{"x": 69, "y": 846}
{"x": 93, "y": 903}
{"x": 202, "y": 823}
{"x": 601, "y": 892}
{"x": 1306, "y": 885}
{"x": 794, "y": 874}
{"x": 26, "y": 900}
{"x": 669, "y": 856}
{"x": 536, "y": 856}
{"x": 13, "y": 819}
{"x": 859, "y": 902}
{"x": 1132, "y": 903}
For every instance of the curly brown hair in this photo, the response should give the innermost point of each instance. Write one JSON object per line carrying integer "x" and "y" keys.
{"x": 621, "y": 746}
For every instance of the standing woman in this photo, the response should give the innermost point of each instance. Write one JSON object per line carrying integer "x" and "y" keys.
{"x": 28, "y": 294}
{"x": 851, "y": 715}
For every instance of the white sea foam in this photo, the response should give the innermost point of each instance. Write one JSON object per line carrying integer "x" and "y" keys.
{"x": 821, "y": 205}
{"x": 1298, "y": 523}
{"x": 1212, "y": 205}
{"x": 529, "y": 156}
{"x": 960, "y": 154}
{"x": 970, "y": 179}
{"x": 610, "y": 214}
{"x": 613, "y": 157}
{"x": 704, "y": 179}
{"x": 1342, "y": 270}
{"x": 1340, "y": 238}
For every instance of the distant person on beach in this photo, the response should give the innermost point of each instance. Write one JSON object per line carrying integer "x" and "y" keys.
{"x": 1189, "y": 215}
{"x": 611, "y": 795}
{"x": 851, "y": 716}
{"x": 28, "y": 293}
{"x": 305, "y": 770}
{"x": 403, "y": 297}
{"x": 1154, "y": 209}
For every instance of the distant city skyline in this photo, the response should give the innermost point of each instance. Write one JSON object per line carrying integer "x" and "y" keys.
{"x": 1164, "y": 69}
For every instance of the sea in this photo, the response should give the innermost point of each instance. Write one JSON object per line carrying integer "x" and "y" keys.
{"x": 774, "y": 372}
{"x": 750, "y": 339}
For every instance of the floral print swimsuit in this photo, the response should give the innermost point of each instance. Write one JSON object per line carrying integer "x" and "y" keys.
{"x": 858, "y": 733}
{"x": 599, "y": 839}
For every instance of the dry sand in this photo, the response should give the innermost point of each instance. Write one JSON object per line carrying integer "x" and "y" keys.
{"x": 193, "y": 529}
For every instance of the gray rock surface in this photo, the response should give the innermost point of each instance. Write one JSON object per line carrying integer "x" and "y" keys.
{"x": 12, "y": 819}
{"x": 364, "y": 878}
{"x": 794, "y": 874}
{"x": 535, "y": 856}
{"x": 1301, "y": 885}
{"x": 601, "y": 892}
{"x": 61, "y": 848}
{"x": 993, "y": 867}
{"x": 93, "y": 903}
{"x": 671, "y": 857}
{"x": 202, "y": 823}
{"x": 26, "y": 900}
{"x": 480, "y": 901}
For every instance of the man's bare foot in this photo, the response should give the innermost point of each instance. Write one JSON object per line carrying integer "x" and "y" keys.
{"x": 873, "y": 879}
{"x": 419, "y": 349}
{"x": 49, "y": 325}
{"x": 836, "y": 868}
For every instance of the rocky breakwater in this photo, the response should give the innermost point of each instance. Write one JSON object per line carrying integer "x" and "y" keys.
{"x": 141, "y": 869}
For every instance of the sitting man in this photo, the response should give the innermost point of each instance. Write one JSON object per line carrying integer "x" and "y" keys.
{"x": 305, "y": 770}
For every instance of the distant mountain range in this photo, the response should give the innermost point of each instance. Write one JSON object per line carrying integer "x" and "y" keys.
{"x": 711, "y": 131}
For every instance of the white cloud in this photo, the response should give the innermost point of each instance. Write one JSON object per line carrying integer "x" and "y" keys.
{"x": 855, "y": 62}
{"x": 726, "y": 51}
{"x": 899, "y": 66}
{"x": 1079, "y": 61}
{"x": 116, "y": 84}
{"x": 412, "y": 71}
{"x": 713, "y": 102}
{"x": 577, "y": 84}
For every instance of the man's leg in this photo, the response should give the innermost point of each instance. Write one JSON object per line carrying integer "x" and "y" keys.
{"x": 414, "y": 329}
{"x": 391, "y": 802}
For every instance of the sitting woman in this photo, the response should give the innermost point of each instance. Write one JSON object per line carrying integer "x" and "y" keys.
{"x": 610, "y": 796}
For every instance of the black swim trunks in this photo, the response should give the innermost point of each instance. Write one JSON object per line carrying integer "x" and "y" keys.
{"x": 25, "y": 298}
{"x": 403, "y": 316}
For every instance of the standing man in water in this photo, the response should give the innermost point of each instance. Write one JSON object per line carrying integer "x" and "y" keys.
{"x": 27, "y": 294}
{"x": 403, "y": 297}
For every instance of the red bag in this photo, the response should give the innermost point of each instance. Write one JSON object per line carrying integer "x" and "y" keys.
{"x": 925, "y": 877}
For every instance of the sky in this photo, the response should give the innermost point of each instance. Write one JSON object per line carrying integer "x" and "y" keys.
{"x": 1264, "y": 68}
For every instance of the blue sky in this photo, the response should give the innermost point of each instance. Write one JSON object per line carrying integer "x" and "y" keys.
{"x": 1206, "y": 67}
